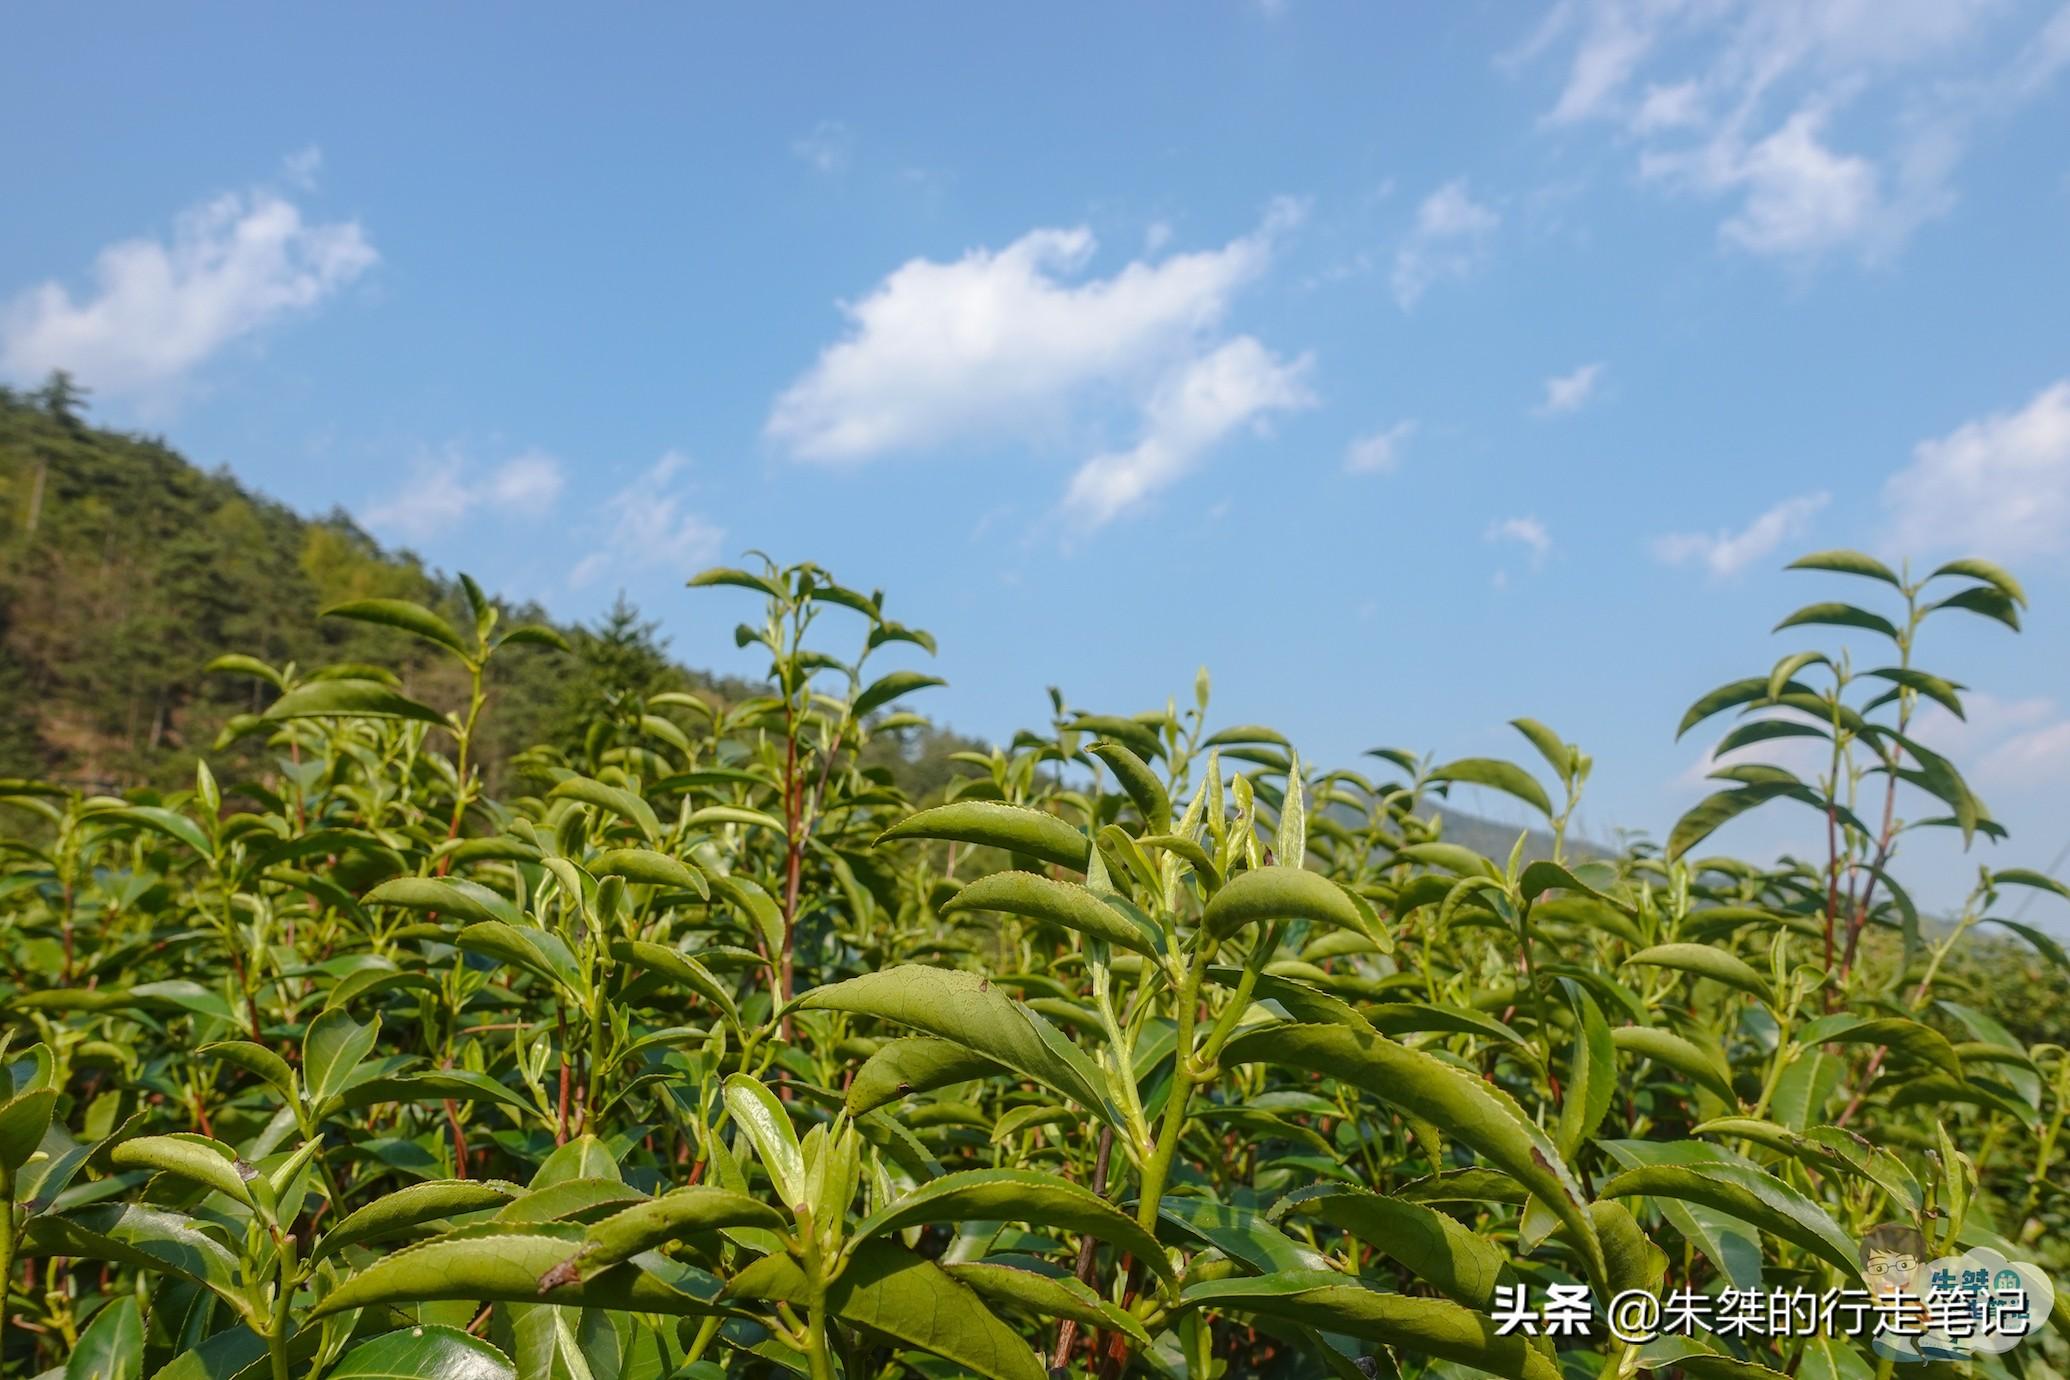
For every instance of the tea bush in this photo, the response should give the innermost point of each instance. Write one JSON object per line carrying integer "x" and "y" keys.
{"x": 1146, "y": 1050}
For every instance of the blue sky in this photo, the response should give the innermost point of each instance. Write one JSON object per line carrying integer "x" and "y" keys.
{"x": 1414, "y": 367}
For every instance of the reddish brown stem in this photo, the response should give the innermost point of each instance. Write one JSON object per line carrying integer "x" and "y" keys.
{"x": 1832, "y": 884}
{"x": 1067, "y": 1331}
{"x": 459, "y": 1139}
{"x": 1884, "y": 840}
{"x": 560, "y": 1021}
{"x": 1854, "y": 1103}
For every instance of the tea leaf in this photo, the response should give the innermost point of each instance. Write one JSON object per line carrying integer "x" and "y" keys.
{"x": 992, "y": 824}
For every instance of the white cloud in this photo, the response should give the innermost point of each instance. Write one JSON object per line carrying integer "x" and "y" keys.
{"x": 2040, "y": 756}
{"x": 1527, "y": 532}
{"x": 1619, "y": 38}
{"x": 1450, "y": 212}
{"x": 1733, "y": 102}
{"x": 2044, "y": 56}
{"x": 1380, "y": 451}
{"x": 527, "y": 483}
{"x": 433, "y": 500}
{"x": 648, "y": 527}
{"x": 1003, "y": 343}
{"x": 1449, "y": 240}
{"x": 1196, "y": 406}
{"x": 827, "y": 148}
{"x": 1724, "y": 553}
{"x": 158, "y": 309}
{"x": 1746, "y": 48}
{"x": 1570, "y": 392}
{"x": 996, "y": 341}
{"x": 1800, "y": 196}
{"x": 1987, "y": 718}
{"x": 2000, "y": 484}
{"x": 445, "y": 488}
{"x": 1679, "y": 106}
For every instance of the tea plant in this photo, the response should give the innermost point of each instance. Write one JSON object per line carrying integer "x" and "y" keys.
{"x": 1145, "y": 1051}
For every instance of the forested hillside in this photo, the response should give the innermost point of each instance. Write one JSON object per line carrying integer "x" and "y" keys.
{"x": 125, "y": 570}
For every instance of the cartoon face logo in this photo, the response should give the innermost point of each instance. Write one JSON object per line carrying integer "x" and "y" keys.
{"x": 1950, "y": 1308}
{"x": 1891, "y": 1256}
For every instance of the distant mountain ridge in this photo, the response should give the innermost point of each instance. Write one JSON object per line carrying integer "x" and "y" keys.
{"x": 1495, "y": 839}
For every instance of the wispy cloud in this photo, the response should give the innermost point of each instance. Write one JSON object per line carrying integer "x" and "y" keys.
{"x": 1570, "y": 392}
{"x": 2033, "y": 757}
{"x": 1449, "y": 240}
{"x": 1380, "y": 451}
{"x": 1724, "y": 553}
{"x": 827, "y": 148}
{"x": 159, "y": 309}
{"x": 650, "y": 525}
{"x": 1527, "y": 532}
{"x": 1738, "y": 103}
{"x": 302, "y": 167}
{"x": 1999, "y": 484}
{"x": 446, "y": 487}
{"x": 2045, "y": 56}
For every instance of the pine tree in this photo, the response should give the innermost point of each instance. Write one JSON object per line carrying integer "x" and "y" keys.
{"x": 62, "y": 398}
{"x": 622, "y": 661}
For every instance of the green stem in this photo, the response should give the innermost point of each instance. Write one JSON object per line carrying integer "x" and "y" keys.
{"x": 1775, "y": 1067}
{"x": 1159, "y": 1167}
{"x": 1537, "y": 993}
{"x": 706, "y": 1332}
{"x": 311, "y": 1131}
{"x": 1940, "y": 953}
{"x": 277, "y": 1329}
{"x": 598, "y": 1062}
{"x": 1123, "y": 1052}
{"x": 815, "y": 1262}
{"x": 2045, "y": 1152}
{"x": 1992, "y": 1135}
{"x": 816, "y": 1335}
{"x": 475, "y": 701}
{"x": 1240, "y": 1001}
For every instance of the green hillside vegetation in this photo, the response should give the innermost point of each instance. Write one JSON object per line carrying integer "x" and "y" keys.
{"x": 125, "y": 571}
